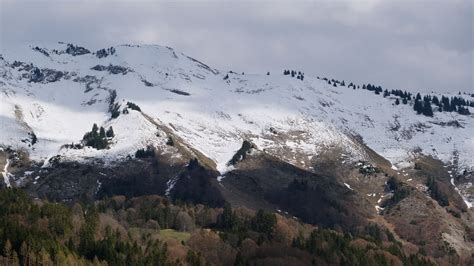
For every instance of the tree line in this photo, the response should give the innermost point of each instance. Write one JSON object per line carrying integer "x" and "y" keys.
{"x": 421, "y": 105}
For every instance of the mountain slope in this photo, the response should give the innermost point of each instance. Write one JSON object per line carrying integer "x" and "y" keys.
{"x": 213, "y": 114}
{"x": 324, "y": 153}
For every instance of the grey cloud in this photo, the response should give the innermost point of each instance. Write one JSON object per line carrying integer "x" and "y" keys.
{"x": 419, "y": 44}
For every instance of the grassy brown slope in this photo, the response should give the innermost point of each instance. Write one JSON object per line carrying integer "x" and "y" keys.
{"x": 183, "y": 148}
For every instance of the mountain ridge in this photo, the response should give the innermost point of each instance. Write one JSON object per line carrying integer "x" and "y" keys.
{"x": 310, "y": 148}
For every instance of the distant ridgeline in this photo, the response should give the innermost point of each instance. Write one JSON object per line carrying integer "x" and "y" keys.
{"x": 422, "y": 105}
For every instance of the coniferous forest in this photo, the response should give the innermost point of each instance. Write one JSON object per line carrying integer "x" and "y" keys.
{"x": 426, "y": 105}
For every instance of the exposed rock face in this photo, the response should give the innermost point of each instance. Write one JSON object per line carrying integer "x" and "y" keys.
{"x": 76, "y": 50}
{"x": 46, "y": 75}
{"x": 112, "y": 69}
{"x": 41, "y": 50}
{"x": 39, "y": 75}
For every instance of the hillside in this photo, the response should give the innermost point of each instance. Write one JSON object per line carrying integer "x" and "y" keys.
{"x": 313, "y": 149}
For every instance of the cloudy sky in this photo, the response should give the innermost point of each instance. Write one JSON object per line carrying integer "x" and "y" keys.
{"x": 420, "y": 44}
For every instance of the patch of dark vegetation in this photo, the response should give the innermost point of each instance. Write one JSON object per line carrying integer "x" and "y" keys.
{"x": 147, "y": 83}
{"x": 16, "y": 64}
{"x": 33, "y": 137}
{"x": 299, "y": 75}
{"x": 366, "y": 168}
{"x": 79, "y": 186}
{"x": 105, "y": 52}
{"x": 436, "y": 192}
{"x": 374, "y": 233}
{"x": 194, "y": 186}
{"x": 149, "y": 152}
{"x": 241, "y": 154}
{"x": 114, "y": 107}
{"x": 41, "y": 50}
{"x": 133, "y": 106}
{"x": 137, "y": 178}
{"x": 263, "y": 181}
{"x": 236, "y": 227}
{"x": 54, "y": 161}
{"x": 98, "y": 138}
{"x": 112, "y": 69}
{"x": 180, "y": 92}
{"x": 301, "y": 199}
{"x": 339, "y": 249}
{"x": 89, "y": 81}
{"x": 453, "y": 123}
{"x": 74, "y": 146}
{"x": 399, "y": 189}
{"x": 88, "y": 182}
{"x": 454, "y": 212}
{"x": 32, "y": 140}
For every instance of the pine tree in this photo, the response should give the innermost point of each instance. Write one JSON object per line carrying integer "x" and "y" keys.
{"x": 404, "y": 101}
{"x": 427, "y": 110}
{"x": 110, "y": 132}
{"x": 397, "y": 102}
{"x": 418, "y": 106}
{"x": 418, "y": 97}
{"x": 463, "y": 110}
{"x": 226, "y": 221}
{"x": 102, "y": 132}
{"x": 94, "y": 129}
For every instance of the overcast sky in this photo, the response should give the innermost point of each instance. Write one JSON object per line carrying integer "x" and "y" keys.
{"x": 425, "y": 45}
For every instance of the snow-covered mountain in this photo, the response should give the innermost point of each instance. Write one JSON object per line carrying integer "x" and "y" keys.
{"x": 58, "y": 91}
{"x": 311, "y": 149}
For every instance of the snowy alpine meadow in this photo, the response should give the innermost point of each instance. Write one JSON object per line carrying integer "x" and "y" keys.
{"x": 56, "y": 92}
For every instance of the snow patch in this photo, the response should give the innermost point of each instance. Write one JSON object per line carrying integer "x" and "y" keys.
{"x": 468, "y": 203}
{"x": 6, "y": 175}
{"x": 348, "y": 186}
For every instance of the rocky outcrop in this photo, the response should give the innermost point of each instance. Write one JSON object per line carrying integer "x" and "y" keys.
{"x": 76, "y": 50}
{"x": 112, "y": 69}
